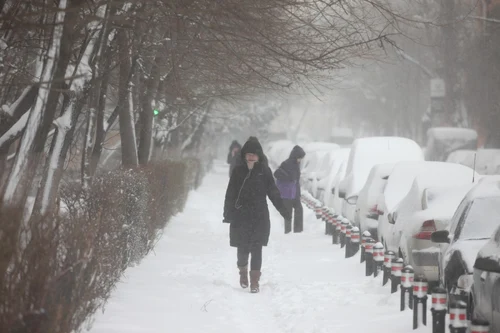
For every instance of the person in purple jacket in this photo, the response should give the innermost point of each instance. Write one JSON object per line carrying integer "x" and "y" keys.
{"x": 288, "y": 182}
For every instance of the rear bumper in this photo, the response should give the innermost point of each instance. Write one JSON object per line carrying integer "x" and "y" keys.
{"x": 426, "y": 263}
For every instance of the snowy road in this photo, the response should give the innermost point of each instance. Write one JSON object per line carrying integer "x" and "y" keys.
{"x": 190, "y": 283}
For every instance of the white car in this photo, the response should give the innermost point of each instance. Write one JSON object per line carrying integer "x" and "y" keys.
{"x": 326, "y": 184}
{"x": 315, "y": 151}
{"x": 278, "y": 151}
{"x": 322, "y": 172}
{"x": 337, "y": 201}
{"x": 428, "y": 207}
{"x": 471, "y": 227}
{"x": 367, "y": 152}
{"x": 397, "y": 187}
{"x": 312, "y": 163}
{"x": 366, "y": 214}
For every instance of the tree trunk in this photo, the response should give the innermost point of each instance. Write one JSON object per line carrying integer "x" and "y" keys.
{"x": 146, "y": 115}
{"x": 23, "y": 170}
{"x": 54, "y": 168}
{"x": 104, "y": 72}
{"x": 126, "y": 119}
{"x": 87, "y": 148}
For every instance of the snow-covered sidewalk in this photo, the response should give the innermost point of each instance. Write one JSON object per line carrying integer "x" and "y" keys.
{"x": 190, "y": 283}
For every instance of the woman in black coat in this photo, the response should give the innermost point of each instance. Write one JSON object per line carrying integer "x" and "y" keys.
{"x": 234, "y": 156}
{"x": 245, "y": 208}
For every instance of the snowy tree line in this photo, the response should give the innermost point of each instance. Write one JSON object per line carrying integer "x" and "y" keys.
{"x": 159, "y": 79}
{"x": 455, "y": 40}
{"x": 72, "y": 69}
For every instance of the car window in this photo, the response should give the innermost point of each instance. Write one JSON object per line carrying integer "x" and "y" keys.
{"x": 482, "y": 219}
{"x": 459, "y": 216}
{"x": 497, "y": 236}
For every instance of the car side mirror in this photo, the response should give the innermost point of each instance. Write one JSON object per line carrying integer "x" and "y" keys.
{"x": 352, "y": 200}
{"x": 341, "y": 195}
{"x": 440, "y": 236}
{"x": 488, "y": 264}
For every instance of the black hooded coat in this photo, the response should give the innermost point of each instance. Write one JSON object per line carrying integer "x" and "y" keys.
{"x": 235, "y": 160}
{"x": 289, "y": 170}
{"x": 245, "y": 205}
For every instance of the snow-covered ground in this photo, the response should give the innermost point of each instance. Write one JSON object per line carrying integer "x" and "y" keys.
{"x": 190, "y": 283}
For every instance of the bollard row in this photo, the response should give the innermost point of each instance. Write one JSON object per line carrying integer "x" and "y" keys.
{"x": 379, "y": 260}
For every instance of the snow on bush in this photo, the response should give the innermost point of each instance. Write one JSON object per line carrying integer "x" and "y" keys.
{"x": 71, "y": 262}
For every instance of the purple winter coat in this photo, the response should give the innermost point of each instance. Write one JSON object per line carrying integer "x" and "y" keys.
{"x": 288, "y": 175}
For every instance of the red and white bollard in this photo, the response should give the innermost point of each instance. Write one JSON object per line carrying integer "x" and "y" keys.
{"x": 458, "y": 317}
{"x": 354, "y": 241}
{"x": 396, "y": 268}
{"x": 348, "y": 243}
{"x": 364, "y": 237}
{"x": 419, "y": 298}
{"x": 479, "y": 326}
{"x": 378, "y": 258}
{"x": 388, "y": 256}
{"x": 336, "y": 229}
{"x": 325, "y": 216}
{"x": 407, "y": 287}
{"x": 343, "y": 230}
{"x": 369, "y": 256}
{"x": 317, "y": 211}
{"x": 438, "y": 310}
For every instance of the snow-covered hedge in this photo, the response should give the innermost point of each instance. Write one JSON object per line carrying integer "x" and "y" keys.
{"x": 67, "y": 266}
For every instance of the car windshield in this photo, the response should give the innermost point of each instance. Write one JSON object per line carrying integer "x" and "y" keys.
{"x": 483, "y": 218}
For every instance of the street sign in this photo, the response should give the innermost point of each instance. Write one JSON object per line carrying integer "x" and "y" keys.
{"x": 438, "y": 88}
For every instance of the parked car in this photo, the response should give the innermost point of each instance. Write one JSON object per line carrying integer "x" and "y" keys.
{"x": 322, "y": 172}
{"x": 277, "y": 150}
{"x": 325, "y": 185}
{"x": 366, "y": 214}
{"x": 471, "y": 227}
{"x": 442, "y": 141}
{"x": 462, "y": 156}
{"x": 485, "y": 301}
{"x": 312, "y": 163}
{"x": 315, "y": 151}
{"x": 397, "y": 187}
{"x": 428, "y": 207}
{"x": 484, "y": 161}
{"x": 338, "y": 202}
{"x": 488, "y": 161}
{"x": 367, "y": 152}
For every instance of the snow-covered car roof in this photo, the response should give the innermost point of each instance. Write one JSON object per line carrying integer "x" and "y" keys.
{"x": 462, "y": 156}
{"x": 312, "y": 161}
{"x": 486, "y": 187}
{"x": 340, "y": 157}
{"x": 367, "y": 152}
{"x": 278, "y": 149}
{"x": 441, "y": 207}
{"x": 316, "y": 146}
{"x": 442, "y": 141}
{"x": 488, "y": 161}
{"x": 400, "y": 181}
{"x": 451, "y": 133}
{"x": 435, "y": 175}
{"x": 442, "y": 201}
